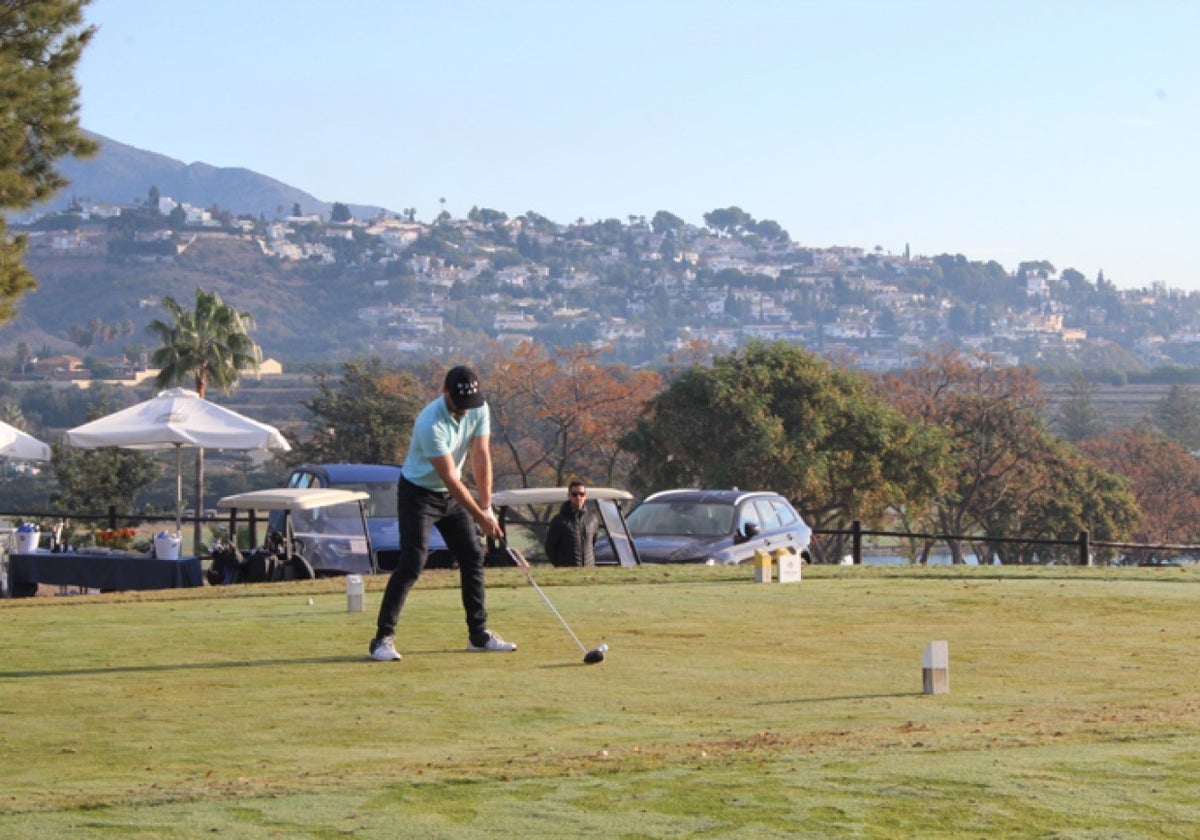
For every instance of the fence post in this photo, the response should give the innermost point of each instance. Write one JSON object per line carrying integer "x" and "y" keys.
{"x": 856, "y": 541}
{"x": 1085, "y": 549}
{"x": 253, "y": 531}
{"x": 112, "y": 517}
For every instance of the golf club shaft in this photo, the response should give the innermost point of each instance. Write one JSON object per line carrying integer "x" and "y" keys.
{"x": 520, "y": 561}
{"x": 561, "y": 620}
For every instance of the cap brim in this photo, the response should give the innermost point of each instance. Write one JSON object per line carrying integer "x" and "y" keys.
{"x": 470, "y": 401}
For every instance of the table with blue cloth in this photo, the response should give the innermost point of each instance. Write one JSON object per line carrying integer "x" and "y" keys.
{"x": 113, "y": 571}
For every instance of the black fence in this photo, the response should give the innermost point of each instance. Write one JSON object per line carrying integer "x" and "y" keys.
{"x": 1081, "y": 549}
{"x": 111, "y": 520}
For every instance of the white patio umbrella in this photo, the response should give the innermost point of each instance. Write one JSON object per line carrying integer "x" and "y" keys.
{"x": 20, "y": 446}
{"x": 177, "y": 418}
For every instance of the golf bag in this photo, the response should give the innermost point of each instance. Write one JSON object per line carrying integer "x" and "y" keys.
{"x": 266, "y": 564}
{"x": 228, "y": 565}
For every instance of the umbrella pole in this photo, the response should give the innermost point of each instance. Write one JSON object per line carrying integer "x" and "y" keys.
{"x": 178, "y": 489}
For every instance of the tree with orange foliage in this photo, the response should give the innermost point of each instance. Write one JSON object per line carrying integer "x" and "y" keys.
{"x": 1164, "y": 478}
{"x": 991, "y": 414}
{"x": 559, "y": 416}
{"x": 1004, "y": 471}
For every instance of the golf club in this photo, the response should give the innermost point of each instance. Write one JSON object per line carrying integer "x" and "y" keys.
{"x": 590, "y": 657}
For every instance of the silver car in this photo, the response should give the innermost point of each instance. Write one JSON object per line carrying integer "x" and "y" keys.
{"x": 714, "y": 527}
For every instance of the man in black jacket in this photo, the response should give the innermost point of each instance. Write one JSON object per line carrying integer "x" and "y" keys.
{"x": 572, "y": 533}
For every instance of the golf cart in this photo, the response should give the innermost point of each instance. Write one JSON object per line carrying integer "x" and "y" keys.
{"x": 323, "y": 533}
{"x": 524, "y": 515}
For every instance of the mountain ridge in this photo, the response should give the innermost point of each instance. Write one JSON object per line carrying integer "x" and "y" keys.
{"x": 122, "y": 173}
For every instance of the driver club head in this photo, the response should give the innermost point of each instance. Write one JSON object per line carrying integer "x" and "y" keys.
{"x": 595, "y": 655}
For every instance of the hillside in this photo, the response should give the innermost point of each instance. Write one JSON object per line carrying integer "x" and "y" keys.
{"x": 298, "y": 317}
{"x": 122, "y": 174}
{"x": 645, "y": 291}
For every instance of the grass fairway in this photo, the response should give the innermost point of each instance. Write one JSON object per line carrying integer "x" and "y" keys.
{"x": 725, "y": 708}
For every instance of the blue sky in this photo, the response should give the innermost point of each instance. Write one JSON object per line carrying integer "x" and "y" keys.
{"x": 1007, "y": 131}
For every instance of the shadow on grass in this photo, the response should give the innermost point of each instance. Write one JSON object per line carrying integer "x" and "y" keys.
{"x": 212, "y": 666}
{"x": 844, "y": 697}
{"x": 248, "y": 663}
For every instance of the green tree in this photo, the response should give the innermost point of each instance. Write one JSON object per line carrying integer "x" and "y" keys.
{"x": 958, "y": 319}
{"x": 92, "y": 480}
{"x": 177, "y": 218}
{"x": 365, "y": 415}
{"x": 40, "y": 44}
{"x": 886, "y": 322}
{"x": 1078, "y": 418}
{"x": 486, "y": 215}
{"x": 664, "y": 222}
{"x": 340, "y": 213}
{"x": 1178, "y": 416}
{"x": 728, "y": 220}
{"x": 209, "y": 345}
{"x": 770, "y": 231}
{"x": 1076, "y": 288}
{"x": 779, "y": 417}
{"x": 1054, "y": 496}
{"x": 10, "y": 413}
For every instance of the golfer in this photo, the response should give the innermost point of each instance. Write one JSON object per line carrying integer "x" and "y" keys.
{"x": 432, "y": 493}
{"x": 571, "y": 537}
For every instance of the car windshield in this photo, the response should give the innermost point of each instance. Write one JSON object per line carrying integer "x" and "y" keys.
{"x": 667, "y": 518}
{"x": 381, "y": 505}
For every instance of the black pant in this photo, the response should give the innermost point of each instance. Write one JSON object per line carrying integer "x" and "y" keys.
{"x": 418, "y": 511}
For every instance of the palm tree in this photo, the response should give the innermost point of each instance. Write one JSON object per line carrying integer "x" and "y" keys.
{"x": 210, "y": 345}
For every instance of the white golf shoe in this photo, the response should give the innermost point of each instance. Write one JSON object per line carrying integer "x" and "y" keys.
{"x": 494, "y": 644}
{"x": 384, "y": 650}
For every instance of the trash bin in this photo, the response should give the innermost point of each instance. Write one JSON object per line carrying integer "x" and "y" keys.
{"x": 167, "y": 545}
{"x": 25, "y": 540}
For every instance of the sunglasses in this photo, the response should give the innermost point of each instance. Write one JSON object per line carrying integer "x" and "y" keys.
{"x": 578, "y": 493}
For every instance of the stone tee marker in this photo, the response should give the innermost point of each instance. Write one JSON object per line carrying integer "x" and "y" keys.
{"x": 787, "y": 560}
{"x": 789, "y": 565}
{"x": 762, "y": 566}
{"x": 935, "y": 668}
{"x": 354, "y": 593}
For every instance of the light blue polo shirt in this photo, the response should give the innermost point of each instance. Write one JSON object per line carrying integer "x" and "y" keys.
{"x": 435, "y": 433}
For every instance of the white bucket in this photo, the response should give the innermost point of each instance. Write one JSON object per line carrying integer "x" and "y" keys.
{"x": 354, "y": 593}
{"x": 25, "y": 542}
{"x": 166, "y": 546}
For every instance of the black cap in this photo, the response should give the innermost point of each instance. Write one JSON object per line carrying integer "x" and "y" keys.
{"x": 463, "y": 387}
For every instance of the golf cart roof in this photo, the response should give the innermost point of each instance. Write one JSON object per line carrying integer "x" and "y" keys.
{"x": 291, "y": 498}
{"x": 549, "y": 495}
